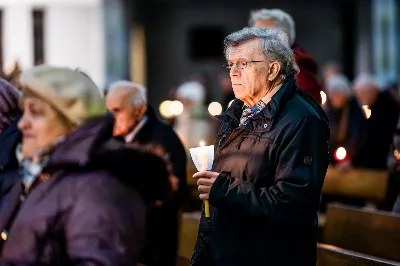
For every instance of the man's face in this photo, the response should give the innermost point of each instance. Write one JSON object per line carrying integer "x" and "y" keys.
{"x": 366, "y": 95}
{"x": 126, "y": 116}
{"x": 248, "y": 83}
{"x": 337, "y": 100}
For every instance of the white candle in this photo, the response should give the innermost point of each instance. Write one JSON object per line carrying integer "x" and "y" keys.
{"x": 203, "y": 156}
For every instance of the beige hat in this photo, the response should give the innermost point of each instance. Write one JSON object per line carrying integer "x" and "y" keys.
{"x": 70, "y": 91}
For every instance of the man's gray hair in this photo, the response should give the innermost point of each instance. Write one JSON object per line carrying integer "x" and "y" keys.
{"x": 273, "y": 44}
{"x": 137, "y": 91}
{"x": 280, "y": 19}
{"x": 364, "y": 81}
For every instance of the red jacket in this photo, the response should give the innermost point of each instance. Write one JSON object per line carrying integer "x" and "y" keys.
{"x": 307, "y": 78}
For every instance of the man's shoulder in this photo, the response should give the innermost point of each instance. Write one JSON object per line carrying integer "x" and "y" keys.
{"x": 301, "y": 108}
{"x": 162, "y": 128}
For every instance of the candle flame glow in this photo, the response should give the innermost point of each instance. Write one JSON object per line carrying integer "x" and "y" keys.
{"x": 202, "y": 143}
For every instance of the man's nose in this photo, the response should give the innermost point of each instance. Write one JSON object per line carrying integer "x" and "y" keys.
{"x": 235, "y": 71}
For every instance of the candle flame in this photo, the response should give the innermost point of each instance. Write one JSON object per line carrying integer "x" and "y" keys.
{"x": 202, "y": 143}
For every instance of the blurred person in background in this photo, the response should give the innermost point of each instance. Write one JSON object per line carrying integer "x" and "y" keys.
{"x": 75, "y": 200}
{"x": 330, "y": 70}
{"x": 393, "y": 189}
{"x": 205, "y": 80}
{"x": 347, "y": 121}
{"x": 382, "y": 111}
{"x": 10, "y": 136}
{"x": 307, "y": 78}
{"x": 194, "y": 123}
{"x": 137, "y": 123}
{"x": 12, "y": 73}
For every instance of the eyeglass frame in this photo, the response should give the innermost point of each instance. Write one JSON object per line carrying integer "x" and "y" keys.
{"x": 229, "y": 68}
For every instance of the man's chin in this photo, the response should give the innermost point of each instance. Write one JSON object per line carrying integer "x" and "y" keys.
{"x": 121, "y": 134}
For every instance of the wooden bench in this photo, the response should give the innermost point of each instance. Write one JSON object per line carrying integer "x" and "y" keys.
{"x": 188, "y": 235}
{"x": 356, "y": 183}
{"x": 375, "y": 233}
{"x": 328, "y": 255}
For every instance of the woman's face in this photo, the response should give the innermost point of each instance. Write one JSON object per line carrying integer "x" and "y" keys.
{"x": 40, "y": 125}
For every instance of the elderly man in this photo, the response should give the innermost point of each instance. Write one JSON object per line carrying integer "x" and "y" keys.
{"x": 271, "y": 157}
{"x": 307, "y": 77}
{"x": 137, "y": 123}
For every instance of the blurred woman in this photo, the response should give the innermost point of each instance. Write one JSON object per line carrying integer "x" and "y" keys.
{"x": 9, "y": 134}
{"x": 346, "y": 119}
{"x": 82, "y": 196}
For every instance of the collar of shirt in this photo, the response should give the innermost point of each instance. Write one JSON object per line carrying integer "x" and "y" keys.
{"x": 261, "y": 104}
{"x": 134, "y": 132}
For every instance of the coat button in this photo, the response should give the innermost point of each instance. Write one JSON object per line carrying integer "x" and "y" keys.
{"x": 4, "y": 235}
{"x": 265, "y": 125}
{"x": 44, "y": 177}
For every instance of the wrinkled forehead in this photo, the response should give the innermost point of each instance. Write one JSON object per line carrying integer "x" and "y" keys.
{"x": 246, "y": 50}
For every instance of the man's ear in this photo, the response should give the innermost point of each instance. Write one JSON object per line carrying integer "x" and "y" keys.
{"x": 273, "y": 70}
{"x": 142, "y": 110}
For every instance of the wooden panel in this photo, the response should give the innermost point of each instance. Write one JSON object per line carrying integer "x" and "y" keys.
{"x": 190, "y": 171}
{"x": 370, "y": 232}
{"x": 358, "y": 183}
{"x": 182, "y": 261}
{"x": 188, "y": 234}
{"x": 333, "y": 256}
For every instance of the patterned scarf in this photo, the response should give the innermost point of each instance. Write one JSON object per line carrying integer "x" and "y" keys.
{"x": 250, "y": 112}
{"x": 261, "y": 104}
{"x": 31, "y": 168}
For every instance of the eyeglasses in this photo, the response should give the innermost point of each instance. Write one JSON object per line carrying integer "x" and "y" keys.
{"x": 240, "y": 64}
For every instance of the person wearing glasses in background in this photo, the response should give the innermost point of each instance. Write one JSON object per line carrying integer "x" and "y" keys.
{"x": 271, "y": 156}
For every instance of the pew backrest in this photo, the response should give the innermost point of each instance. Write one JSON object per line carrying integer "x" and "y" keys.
{"x": 371, "y": 232}
{"x": 356, "y": 183}
{"x": 328, "y": 255}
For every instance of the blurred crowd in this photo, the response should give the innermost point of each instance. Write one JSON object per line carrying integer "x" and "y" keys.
{"x": 61, "y": 139}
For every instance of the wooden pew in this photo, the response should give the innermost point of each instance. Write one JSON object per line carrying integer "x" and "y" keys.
{"x": 375, "y": 233}
{"x": 188, "y": 235}
{"x": 328, "y": 255}
{"x": 182, "y": 261}
{"x": 356, "y": 183}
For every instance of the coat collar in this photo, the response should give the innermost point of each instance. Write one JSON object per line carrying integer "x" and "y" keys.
{"x": 234, "y": 112}
{"x": 78, "y": 147}
{"x": 144, "y": 133}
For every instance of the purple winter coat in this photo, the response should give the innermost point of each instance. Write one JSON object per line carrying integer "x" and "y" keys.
{"x": 89, "y": 206}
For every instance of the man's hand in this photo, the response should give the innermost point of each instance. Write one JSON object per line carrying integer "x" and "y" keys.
{"x": 205, "y": 180}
